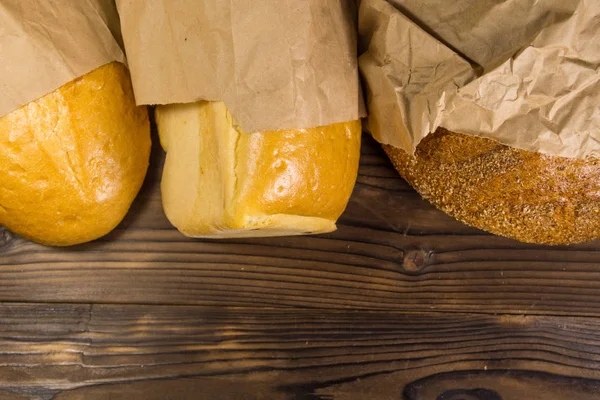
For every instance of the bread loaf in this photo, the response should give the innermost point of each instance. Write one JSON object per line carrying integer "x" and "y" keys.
{"x": 72, "y": 161}
{"x": 219, "y": 182}
{"x": 523, "y": 195}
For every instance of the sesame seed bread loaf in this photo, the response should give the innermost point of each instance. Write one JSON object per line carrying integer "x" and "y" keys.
{"x": 523, "y": 195}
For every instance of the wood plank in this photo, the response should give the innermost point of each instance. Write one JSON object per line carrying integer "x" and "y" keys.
{"x": 83, "y": 351}
{"x": 393, "y": 251}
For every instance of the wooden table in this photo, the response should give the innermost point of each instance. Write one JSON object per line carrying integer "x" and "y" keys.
{"x": 402, "y": 302}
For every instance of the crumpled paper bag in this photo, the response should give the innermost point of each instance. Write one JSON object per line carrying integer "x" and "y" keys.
{"x": 523, "y": 72}
{"x": 275, "y": 64}
{"x": 45, "y": 44}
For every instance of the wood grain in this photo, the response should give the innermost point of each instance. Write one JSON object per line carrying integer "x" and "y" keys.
{"x": 402, "y": 302}
{"x": 83, "y": 351}
{"x": 393, "y": 251}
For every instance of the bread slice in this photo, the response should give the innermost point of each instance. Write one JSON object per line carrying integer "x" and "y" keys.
{"x": 219, "y": 182}
{"x": 523, "y": 195}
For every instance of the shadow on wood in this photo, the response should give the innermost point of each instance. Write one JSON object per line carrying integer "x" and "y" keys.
{"x": 502, "y": 385}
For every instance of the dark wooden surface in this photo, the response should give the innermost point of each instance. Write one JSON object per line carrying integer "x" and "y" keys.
{"x": 402, "y": 302}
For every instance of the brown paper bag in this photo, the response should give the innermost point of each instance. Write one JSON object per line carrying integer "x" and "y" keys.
{"x": 45, "y": 44}
{"x": 275, "y": 64}
{"x": 523, "y": 72}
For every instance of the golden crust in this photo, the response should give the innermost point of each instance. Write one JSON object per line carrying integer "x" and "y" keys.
{"x": 523, "y": 195}
{"x": 73, "y": 161}
{"x": 306, "y": 172}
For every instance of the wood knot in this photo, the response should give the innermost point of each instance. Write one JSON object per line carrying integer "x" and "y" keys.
{"x": 415, "y": 260}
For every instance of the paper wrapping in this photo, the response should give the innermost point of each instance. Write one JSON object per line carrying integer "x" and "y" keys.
{"x": 522, "y": 72}
{"x": 275, "y": 64}
{"x": 45, "y": 44}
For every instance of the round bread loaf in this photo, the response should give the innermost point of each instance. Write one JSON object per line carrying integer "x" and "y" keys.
{"x": 72, "y": 161}
{"x": 523, "y": 195}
